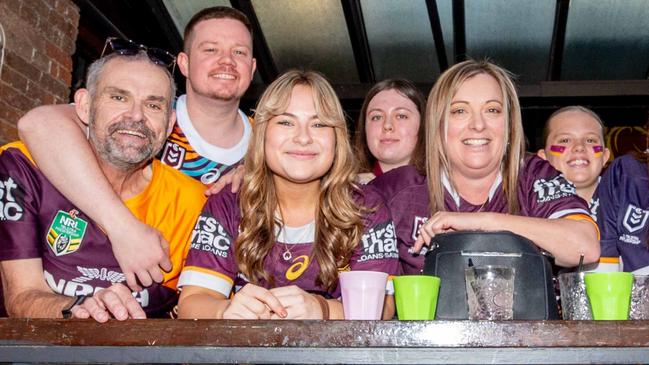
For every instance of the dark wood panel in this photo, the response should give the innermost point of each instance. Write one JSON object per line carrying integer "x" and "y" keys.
{"x": 226, "y": 333}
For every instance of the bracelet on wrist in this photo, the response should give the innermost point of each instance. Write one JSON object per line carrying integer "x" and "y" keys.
{"x": 324, "y": 306}
{"x": 78, "y": 300}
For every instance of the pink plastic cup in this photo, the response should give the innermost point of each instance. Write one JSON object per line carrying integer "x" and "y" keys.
{"x": 363, "y": 293}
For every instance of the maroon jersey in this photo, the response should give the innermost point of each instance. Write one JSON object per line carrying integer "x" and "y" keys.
{"x": 38, "y": 222}
{"x": 542, "y": 192}
{"x": 211, "y": 262}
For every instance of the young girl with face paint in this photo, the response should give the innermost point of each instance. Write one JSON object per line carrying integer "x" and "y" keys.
{"x": 574, "y": 145}
{"x": 619, "y": 200}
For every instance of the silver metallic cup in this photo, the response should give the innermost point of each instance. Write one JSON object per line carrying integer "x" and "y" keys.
{"x": 639, "y": 309}
{"x": 574, "y": 301}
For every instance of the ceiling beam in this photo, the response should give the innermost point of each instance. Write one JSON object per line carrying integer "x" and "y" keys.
{"x": 558, "y": 40}
{"x": 544, "y": 89}
{"x": 358, "y": 37}
{"x": 438, "y": 36}
{"x": 459, "y": 31}
{"x": 265, "y": 63}
{"x": 167, "y": 25}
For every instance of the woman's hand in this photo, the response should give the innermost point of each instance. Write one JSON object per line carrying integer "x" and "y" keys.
{"x": 298, "y": 303}
{"x": 442, "y": 222}
{"x": 254, "y": 302}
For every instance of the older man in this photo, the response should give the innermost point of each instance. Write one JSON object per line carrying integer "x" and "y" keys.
{"x": 55, "y": 260}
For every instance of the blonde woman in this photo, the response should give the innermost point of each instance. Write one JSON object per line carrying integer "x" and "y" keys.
{"x": 297, "y": 221}
{"x": 478, "y": 176}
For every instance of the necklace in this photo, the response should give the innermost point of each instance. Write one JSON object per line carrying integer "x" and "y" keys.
{"x": 287, "y": 255}
{"x": 293, "y": 235}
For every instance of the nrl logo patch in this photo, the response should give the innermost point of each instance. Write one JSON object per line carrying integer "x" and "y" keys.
{"x": 635, "y": 218}
{"x": 66, "y": 232}
{"x": 173, "y": 155}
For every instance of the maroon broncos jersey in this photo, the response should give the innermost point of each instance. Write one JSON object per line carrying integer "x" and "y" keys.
{"x": 211, "y": 262}
{"x": 543, "y": 192}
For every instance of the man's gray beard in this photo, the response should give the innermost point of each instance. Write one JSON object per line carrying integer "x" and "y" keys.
{"x": 118, "y": 156}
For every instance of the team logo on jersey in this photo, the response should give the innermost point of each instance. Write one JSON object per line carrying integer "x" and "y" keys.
{"x": 210, "y": 236}
{"x": 548, "y": 190}
{"x": 380, "y": 242}
{"x": 635, "y": 218}
{"x": 416, "y": 225}
{"x": 66, "y": 232}
{"x": 173, "y": 155}
{"x": 11, "y": 200}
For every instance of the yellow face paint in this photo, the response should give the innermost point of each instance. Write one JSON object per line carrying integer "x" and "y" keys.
{"x": 598, "y": 150}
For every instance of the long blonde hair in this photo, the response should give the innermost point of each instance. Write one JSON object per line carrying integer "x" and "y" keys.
{"x": 437, "y": 114}
{"x": 339, "y": 224}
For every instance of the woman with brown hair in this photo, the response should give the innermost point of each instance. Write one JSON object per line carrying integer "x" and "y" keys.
{"x": 478, "y": 176}
{"x": 389, "y": 132}
{"x": 297, "y": 221}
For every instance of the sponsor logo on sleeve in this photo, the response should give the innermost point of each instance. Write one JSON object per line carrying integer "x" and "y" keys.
{"x": 556, "y": 188}
{"x": 173, "y": 155}
{"x": 210, "y": 236}
{"x": 11, "y": 200}
{"x": 635, "y": 218}
{"x": 380, "y": 242}
{"x": 66, "y": 232}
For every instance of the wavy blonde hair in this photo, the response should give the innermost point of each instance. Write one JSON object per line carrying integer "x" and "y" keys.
{"x": 437, "y": 114}
{"x": 339, "y": 223}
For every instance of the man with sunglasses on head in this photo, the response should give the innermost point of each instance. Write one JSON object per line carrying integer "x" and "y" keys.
{"x": 208, "y": 141}
{"x": 55, "y": 260}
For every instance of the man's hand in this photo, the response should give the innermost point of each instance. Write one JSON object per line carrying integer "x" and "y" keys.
{"x": 141, "y": 252}
{"x": 254, "y": 302}
{"x": 115, "y": 301}
{"x": 234, "y": 177}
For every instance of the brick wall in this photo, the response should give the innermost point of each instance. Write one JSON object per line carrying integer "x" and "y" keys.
{"x": 39, "y": 42}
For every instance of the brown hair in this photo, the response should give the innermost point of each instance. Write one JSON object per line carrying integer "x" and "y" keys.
{"x": 407, "y": 89}
{"x": 339, "y": 224}
{"x": 572, "y": 108}
{"x": 437, "y": 113}
{"x": 216, "y": 12}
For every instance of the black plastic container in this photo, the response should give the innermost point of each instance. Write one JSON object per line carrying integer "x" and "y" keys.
{"x": 449, "y": 255}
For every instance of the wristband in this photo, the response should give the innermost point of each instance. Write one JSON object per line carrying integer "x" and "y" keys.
{"x": 324, "y": 306}
{"x": 67, "y": 312}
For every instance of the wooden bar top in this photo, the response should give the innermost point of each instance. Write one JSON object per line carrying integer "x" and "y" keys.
{"x": 203, "y": 341}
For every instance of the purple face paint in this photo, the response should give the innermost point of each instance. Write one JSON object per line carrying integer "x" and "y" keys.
{"x": 557, "y": 150}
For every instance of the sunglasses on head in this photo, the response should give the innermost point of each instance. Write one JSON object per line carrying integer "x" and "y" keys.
{"x": 127, "y": 47}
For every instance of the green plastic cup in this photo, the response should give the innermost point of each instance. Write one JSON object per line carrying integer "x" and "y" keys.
{"x": 609, "y": 294}
{"x": 416, "y": 296}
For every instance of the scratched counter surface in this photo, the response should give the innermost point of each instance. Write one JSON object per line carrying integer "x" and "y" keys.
{"x": 334, "y": 342}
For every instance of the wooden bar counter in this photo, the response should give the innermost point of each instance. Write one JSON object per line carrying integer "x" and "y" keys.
{"x": 324, "y": 342}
